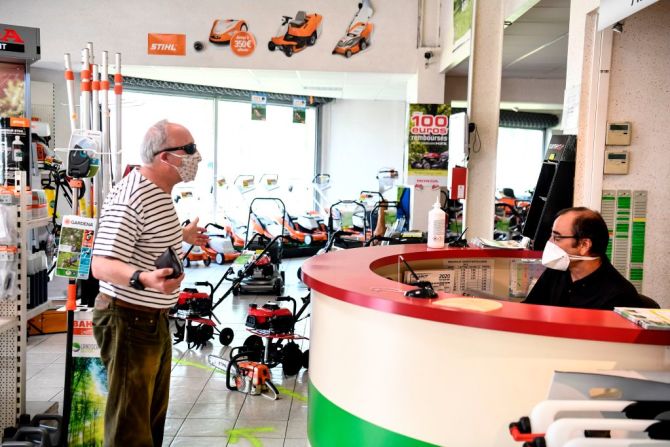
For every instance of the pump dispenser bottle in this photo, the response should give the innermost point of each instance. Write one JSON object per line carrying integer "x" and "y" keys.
{"x": 436, "y": 225}
{"x": 17, "y": 153}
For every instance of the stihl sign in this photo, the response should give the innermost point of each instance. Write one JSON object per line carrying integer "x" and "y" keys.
{"x": 10, "y": 40}
{"x": 163, "y": 47}
{"x": 167, "y": 44}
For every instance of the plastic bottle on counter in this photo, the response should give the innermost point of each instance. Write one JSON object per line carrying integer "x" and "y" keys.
{"x": 436, "y": 225}
{"x": 17, "y": 152}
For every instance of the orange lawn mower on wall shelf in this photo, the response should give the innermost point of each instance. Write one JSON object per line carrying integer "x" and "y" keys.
{"x": 359, "y": 32}
{"x": 296, "y": 34}
{"x": 223, "y": 30}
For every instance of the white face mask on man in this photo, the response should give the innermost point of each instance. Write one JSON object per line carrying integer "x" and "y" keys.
{"x": 189, "y": 166}
{"x": 554, "y": 257}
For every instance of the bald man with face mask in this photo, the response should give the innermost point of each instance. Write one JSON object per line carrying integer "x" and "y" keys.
{"x": 578, "y": 272}
{"x": 137, "y": 225}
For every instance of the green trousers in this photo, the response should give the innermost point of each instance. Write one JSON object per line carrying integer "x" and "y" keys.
{"x": 136, "y": 349}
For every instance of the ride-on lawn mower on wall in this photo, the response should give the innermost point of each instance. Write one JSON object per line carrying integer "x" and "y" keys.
{"x": 296, "y": 34}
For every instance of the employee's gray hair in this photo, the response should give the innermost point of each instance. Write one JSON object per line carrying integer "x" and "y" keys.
{"x": 154, "y": 141}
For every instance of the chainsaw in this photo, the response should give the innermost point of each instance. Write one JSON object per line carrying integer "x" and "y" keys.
{"x": 246, "y": 376}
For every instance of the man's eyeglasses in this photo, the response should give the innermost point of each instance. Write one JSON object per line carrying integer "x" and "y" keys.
{"x": 190, "y": 149}
{"x": 558, "y": 237}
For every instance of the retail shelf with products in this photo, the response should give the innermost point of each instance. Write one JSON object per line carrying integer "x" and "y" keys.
{"x": 14, "y": 315}
{"x": 37, "y": 223}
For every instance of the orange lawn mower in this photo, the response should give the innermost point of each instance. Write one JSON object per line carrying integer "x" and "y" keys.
{"x": 359, "y": 32}
{"x": 296, "y": 34}
{"x": 219, "y": 248}
{"x": 223, "y": 30}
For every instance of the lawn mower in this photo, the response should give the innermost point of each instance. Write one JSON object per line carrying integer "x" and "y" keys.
{"x": 261, "y": 272}
{"x": 197, "y": 253}
{"x": 271, "y": 325}
{"x": 296, "y": 34}
{"x": 194, "y": 316}
{"x": 194, "y": 311}
{"x": 221, "y": 244}
{"x": 277, "y": 222}
{"x": 245, "y": 375}
{"x": 432, "y": 160}
{"x": 224, "y": 30}
{"x": 359, "y": 32}
{"x": 235, "y": 231}
{"x": 344, "y": 215}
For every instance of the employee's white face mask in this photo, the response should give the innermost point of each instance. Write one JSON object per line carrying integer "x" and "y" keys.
{"x": 189, "y": 166}
{"x": 554, "y": 257}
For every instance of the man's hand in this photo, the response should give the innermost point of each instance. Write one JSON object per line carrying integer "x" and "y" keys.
{"x": 157, "y": 280}
{"x": 195, "y": 235}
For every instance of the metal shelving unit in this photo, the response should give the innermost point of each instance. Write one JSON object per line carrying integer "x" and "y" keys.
{"x": 13, "y": 311}
{"x": 14, "y": 315}
{"x": 7, "y": 323}
{"x": 13, "y": 331}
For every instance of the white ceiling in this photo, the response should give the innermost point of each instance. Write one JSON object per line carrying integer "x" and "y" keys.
{"x": 535, "y": 45}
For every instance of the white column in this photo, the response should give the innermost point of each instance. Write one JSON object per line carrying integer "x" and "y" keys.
{"x": 484, "y": 110}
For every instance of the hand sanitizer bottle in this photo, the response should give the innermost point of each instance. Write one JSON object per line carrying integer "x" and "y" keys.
{"x": 17, "y": 152}
{"x": 436, "y": 225}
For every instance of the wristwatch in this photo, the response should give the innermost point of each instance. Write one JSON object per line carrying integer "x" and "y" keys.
{"x": 135, "y": 282}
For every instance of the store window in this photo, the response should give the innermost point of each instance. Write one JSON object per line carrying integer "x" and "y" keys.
{"x": 519, "y": 159}
{"x": 141, "y": 110}
{"x": 277, "y": 148}
{"x": 231, "y": 144}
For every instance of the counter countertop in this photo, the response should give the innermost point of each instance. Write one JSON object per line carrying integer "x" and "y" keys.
{"x": 348, "y": 275}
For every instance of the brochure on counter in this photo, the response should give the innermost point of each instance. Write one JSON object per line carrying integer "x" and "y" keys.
{"x": 658, "y": 319}
{"x": 490, "y": 243}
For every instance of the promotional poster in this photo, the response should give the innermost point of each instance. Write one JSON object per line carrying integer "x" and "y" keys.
{"x": 74, "y": 250}
{"x": 89, "y": 386}
{"x": 258, "y": 107}
{"x": 428, "y": 144}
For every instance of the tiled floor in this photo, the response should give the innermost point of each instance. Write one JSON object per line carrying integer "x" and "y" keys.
{"x": 202, "y": 411}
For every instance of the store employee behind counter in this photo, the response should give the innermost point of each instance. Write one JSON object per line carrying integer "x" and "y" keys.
{"x": 579, "y": 273}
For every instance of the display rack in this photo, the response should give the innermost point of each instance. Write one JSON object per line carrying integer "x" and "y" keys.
{"x": 14, "y": 315}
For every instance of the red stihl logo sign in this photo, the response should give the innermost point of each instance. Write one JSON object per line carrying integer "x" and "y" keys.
{"x": 10, "y": 40}
{"x": 167, "y": 44}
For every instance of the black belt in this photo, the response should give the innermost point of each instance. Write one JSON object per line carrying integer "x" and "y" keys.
{"x": 150, "y": 310}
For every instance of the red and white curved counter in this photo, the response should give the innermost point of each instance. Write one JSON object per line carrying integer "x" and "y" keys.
{"x": 386, "y": 370}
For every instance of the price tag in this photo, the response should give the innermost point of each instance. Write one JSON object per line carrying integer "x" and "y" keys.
{"x": 243, "y": 43}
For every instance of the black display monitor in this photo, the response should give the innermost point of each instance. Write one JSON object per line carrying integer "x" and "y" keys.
{"x": 553, "y": 191}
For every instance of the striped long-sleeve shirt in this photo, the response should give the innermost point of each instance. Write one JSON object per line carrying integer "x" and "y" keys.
{"x": 137, "y": 224}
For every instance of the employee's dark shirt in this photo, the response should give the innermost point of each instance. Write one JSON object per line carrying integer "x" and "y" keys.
{"x": 603, "y": 289}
